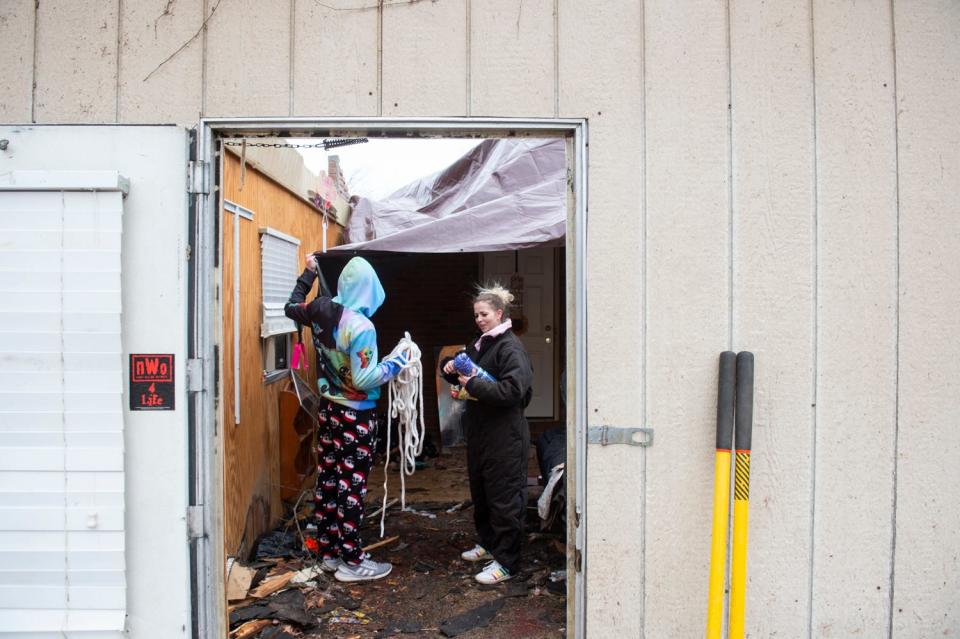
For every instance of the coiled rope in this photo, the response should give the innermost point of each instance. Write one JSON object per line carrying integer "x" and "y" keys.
{"x": 405, "y": 404}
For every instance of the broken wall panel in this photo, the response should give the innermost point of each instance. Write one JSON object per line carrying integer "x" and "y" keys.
{"x": 857, "y": 329}
{"x": 159, "y": 80}
{"x": 773, "y": 297}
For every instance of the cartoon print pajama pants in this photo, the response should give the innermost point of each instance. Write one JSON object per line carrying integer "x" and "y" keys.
{"x": 345, "y": 449}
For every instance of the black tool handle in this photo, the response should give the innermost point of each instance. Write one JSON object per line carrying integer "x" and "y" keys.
{"x": 725, "y": 394}
{"x": 744, "y": 430}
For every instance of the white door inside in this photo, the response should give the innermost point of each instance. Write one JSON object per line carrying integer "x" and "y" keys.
{"x": 539, "y": 332}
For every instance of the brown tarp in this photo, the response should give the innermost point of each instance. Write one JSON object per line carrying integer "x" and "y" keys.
{"x": 504, "y": 194}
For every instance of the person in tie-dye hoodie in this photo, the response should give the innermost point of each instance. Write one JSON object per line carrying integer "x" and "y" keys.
{"x": 349, "y": 377}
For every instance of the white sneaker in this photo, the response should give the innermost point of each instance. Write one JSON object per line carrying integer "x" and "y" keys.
{"x": 493, "y": 573}
{"x": 330, "y": 564}
{"x": 477, "y": 553}
{"x": 368, "y": 570}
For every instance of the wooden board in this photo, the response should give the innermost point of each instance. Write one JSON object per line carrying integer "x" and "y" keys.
{"x": 252, "y": 448}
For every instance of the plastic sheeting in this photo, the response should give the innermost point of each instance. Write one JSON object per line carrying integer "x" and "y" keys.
{"x": 504, "y": 194}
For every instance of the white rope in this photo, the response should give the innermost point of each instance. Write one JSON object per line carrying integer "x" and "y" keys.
{"x": 405, "y": 404}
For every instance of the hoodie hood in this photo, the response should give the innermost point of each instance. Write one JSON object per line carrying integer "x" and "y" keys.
{"x": 359, "y": 287}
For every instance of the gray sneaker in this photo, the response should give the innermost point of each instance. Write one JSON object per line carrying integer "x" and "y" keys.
{"x": 330, "y": 564}
{"x": 368, "y": 570}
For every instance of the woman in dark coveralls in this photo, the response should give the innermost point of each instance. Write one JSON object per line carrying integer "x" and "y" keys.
{"x": 498, "y": 438}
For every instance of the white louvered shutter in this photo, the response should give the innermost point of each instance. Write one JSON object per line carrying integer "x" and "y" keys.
{"x": 62, "y": 566}
{"x": 279, "y": 260}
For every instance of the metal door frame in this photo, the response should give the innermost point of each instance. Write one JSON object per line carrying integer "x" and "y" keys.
{"x": 205, "y": 417}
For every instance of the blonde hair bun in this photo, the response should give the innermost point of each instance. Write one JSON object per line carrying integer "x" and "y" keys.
{"x": 495, "y": 295}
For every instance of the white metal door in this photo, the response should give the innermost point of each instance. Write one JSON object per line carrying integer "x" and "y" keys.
{"x": 93, "y": 539}
{"x": 539, "y": 333}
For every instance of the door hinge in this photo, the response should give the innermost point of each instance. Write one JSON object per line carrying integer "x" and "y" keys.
{"x": 194, "y": 375}
{"x": 605, "y": 435}
{"x": 195, "y": 522}
{"x": 198, "y": 177}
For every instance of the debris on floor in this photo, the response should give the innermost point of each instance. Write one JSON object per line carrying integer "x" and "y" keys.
{"x": 431, "y": 591}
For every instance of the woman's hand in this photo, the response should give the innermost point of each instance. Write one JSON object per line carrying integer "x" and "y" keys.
{"x": 312, "y": 262}
{"x": 463, "y": 379}
{"x": 448, "y": 368}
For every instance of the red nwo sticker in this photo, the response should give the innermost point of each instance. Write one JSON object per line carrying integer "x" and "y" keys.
{"x": 151, "y": 382}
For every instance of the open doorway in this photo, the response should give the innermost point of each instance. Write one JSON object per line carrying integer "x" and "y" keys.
{"x": 271, "y": 219}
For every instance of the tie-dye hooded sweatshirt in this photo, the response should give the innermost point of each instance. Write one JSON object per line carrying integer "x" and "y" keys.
{"x": 344, "y": 336}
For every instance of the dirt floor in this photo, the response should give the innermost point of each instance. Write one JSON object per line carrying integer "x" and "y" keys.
{"x": 430, "y": 586}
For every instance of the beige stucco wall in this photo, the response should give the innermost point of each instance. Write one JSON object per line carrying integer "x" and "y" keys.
{"x": 781, "y": 177}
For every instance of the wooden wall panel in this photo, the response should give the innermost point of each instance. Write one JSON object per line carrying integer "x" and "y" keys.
{"x": 773, "y": 297}
{"x": 247, "y": 59}
{"x": 688, "y": 298}
{"x": 251, "y": 460}
{"x": 602, "y": 82}
{"x": 856, "y": 319}
{"x": 335, "y": 60}
{"x": 76, "y": 63}
{"x": 512, "y": 69}
{"x": 152, "y": 88}
{"x": 927, "y": 560}
{"x": 16, "y": 49}
{"x": 424, "y": 58}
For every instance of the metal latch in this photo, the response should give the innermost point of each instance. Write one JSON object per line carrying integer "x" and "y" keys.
{"x": 198, "y": 177}
{"x": 605, "y": 435}
{"x": 194, "y": 522}
{"x": 194, "y": 375}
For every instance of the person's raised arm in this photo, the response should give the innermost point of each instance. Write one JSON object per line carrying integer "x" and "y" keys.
{"x": 295, "y": 307}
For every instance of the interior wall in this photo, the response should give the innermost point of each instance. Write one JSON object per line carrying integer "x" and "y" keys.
{"x": 779, "y": 177}
{"x": 252, "y": 500}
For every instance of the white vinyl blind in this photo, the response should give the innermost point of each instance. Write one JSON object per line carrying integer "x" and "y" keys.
{"x": 62, "y": 566}
{"x": 279, "y": 260}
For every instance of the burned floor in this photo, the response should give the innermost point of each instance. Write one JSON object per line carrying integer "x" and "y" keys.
{"x": 281, "y": 593}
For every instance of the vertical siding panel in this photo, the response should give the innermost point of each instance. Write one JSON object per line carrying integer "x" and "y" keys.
{"x": 16, "y": 49}
{"x": 76, "y": 72}
{"x": 151, "y": 31}
{"x": 927, "y": 573}
{"x": 600, "y": 77}
{"x": 857, "y": 298}
{"x": 688, "y": 244}
{"x": 773, "y": 205}
{"x": 425, "y": 58}
{"x": 512, "y": 61}
{"x": 248, "y": 59}
{"x": 335, "y": 60}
